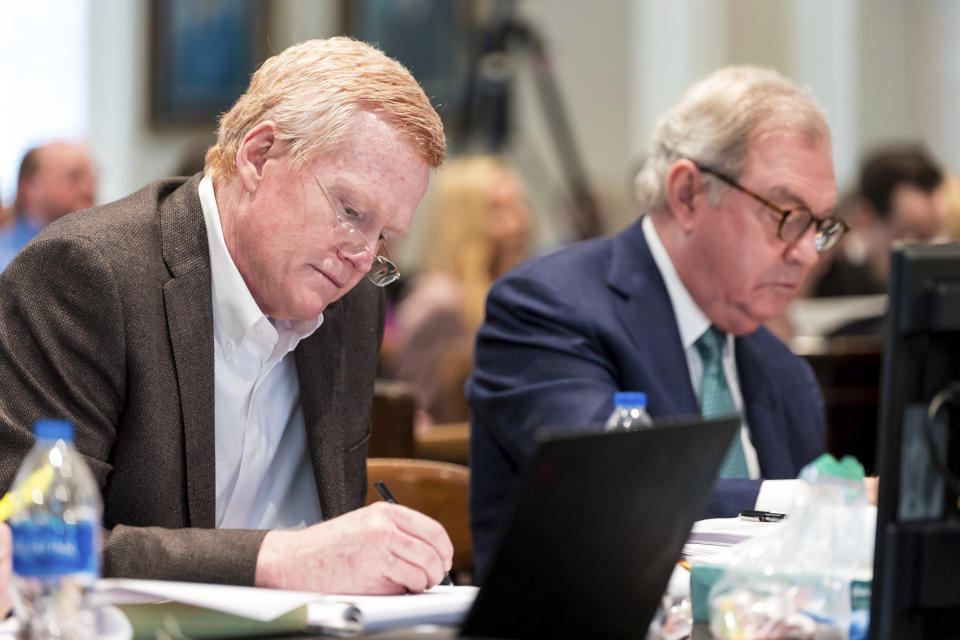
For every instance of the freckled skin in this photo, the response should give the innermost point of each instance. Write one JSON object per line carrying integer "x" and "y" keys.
{"x": 281, "y": 237}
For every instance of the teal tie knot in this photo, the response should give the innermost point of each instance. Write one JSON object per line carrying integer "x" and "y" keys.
{"x": 716, "y": 399}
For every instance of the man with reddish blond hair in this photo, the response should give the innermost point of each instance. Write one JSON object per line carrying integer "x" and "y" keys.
{"x": 215, "y": 341}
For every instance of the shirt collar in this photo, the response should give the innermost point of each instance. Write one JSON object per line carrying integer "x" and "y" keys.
{"x": 691, "y": 320}
{"x": 235, "y": 311}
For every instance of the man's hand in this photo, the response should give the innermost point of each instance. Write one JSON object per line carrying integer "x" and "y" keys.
{"x": 872, "y": 485}
{"x": 380, "y": 549}
{"x": 6, "y": 566}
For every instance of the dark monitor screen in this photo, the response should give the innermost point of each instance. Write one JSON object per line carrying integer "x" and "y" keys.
{"x": 916, "y": 585}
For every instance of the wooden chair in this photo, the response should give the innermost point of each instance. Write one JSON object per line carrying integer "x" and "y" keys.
{"x": 391, "y": 420}
{"x": 448, "y": 442}
{"x": 437, "y": 489}
{"x": 848, "y": 370}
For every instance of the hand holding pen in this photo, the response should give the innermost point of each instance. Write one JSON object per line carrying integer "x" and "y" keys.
{"x": 386, "y": 495}
{"x": 379, "y": 549}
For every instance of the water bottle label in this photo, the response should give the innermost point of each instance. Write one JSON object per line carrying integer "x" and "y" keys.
{"x": 54, "y": 548}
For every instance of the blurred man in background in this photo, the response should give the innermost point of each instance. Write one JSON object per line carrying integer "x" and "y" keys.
{"x": 900, "y": 199}
{"x": 55, "y": 179}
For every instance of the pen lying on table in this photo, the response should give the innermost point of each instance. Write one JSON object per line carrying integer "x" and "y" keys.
{"x": 386, "y": 495}
{"x": 762, "y": 516}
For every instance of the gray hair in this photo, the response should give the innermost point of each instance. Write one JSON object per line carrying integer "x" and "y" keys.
{"x": 717, "y": 120}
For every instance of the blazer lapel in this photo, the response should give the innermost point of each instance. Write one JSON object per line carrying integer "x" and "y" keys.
{"x": 320, "y": 370}
{"x": 189, "y": 312}
{"x": 768, "y": 431}
{"x": 647, "y": 317}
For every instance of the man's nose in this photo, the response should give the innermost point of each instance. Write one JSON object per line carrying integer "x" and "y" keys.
{"x": 804, "y": 248}
{"x": 362, "y": 261}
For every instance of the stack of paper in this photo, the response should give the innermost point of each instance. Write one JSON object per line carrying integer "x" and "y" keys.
{"x": 710, "y": 540}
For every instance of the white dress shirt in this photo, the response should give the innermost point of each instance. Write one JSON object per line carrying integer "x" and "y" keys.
{"x": 265, "y": 479}
{"x": 775, "y": 495}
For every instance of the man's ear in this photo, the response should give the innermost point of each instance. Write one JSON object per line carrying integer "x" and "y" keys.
{"x": 253, "y": 152}
{"x": 684, "y": 185}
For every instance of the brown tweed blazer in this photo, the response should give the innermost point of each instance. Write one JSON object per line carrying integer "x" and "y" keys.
{"x": 106, "y": 320}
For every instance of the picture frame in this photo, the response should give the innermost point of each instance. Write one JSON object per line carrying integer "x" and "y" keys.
{"x": 202, "y": 55}
{"x": 430, "y": 37}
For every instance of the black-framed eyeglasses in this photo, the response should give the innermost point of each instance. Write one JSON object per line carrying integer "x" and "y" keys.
{"x": 793, "y": 222}
{"x": 353, "y": 242}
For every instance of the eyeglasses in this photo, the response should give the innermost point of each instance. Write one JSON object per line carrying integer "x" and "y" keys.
{"x": 353, "y": 243}
{"x": 793, "y": 222}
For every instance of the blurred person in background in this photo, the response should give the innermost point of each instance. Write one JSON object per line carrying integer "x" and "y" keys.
{"x": 479, "y": 227}
{"x": 900, "y": 199}
{"x": 55, "y": 179}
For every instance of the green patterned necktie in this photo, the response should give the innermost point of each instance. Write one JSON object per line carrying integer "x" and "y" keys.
{"x": 715, "y": 398}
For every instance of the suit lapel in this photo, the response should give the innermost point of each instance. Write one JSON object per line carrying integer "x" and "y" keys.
{"x": 320, "y": 371}
{"x": 768, "y": 431}
{"x": 647, "y": 317}
{"x": 189, "y": 312}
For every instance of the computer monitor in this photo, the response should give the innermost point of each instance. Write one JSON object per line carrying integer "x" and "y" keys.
{"x": 916, "y": 580}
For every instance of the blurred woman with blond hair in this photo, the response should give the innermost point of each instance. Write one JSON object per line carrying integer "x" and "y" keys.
{"x": 478, "y": 228}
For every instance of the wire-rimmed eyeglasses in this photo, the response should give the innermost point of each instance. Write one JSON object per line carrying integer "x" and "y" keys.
{"x": 353, "y": 243}
{"x": 793, "y": 222}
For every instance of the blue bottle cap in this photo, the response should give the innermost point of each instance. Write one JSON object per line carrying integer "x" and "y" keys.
{"x": 630, "y": 399}
{"x": 52, "y": 429}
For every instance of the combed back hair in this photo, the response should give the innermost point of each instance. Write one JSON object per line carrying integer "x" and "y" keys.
{"x": 312, "y": 91}
{"x": 717, "y": 120}
{"x": 886, "y": 169}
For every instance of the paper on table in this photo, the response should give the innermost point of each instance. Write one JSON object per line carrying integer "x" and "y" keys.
{"x": 343, "y": 614}
{"x": 710, "y": 541}
{"x": 729, "y": 531}
{"x": 441, "y": 605}
{"x": 248, "y": 602}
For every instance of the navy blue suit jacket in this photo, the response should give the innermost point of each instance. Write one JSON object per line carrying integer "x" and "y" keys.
{"x": 564, "y": 332}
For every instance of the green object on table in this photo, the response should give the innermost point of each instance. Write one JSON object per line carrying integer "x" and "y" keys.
{"x": 702, "y": 578}
{"x": 847, "y": 467}
{"x": 177, "y": 620}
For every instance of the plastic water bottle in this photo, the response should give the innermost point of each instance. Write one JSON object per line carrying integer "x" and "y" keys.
{"x": 56, "y": 537}
{"x": 629, "y": 412}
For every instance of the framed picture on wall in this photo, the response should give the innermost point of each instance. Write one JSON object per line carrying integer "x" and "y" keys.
{"x": 202, "y": 55}
{"x": 430, "y": 37}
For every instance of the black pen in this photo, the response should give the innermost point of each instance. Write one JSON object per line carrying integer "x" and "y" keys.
{"x": 762, "y": 516}
{"x": 386, "y": 495}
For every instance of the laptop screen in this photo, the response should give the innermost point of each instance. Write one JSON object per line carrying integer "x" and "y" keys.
{"x": 596, "y": 527}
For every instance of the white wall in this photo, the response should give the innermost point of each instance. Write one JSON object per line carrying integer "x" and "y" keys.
{"x": 45, "y": 71}
{"x": 130, "y": 150}
{"x": 884, "y": 70}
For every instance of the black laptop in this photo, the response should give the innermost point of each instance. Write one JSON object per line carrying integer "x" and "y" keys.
{"x": 595, "y": 531}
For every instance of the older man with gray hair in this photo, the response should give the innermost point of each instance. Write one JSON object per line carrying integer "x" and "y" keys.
{"x": 738, "y": 199}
